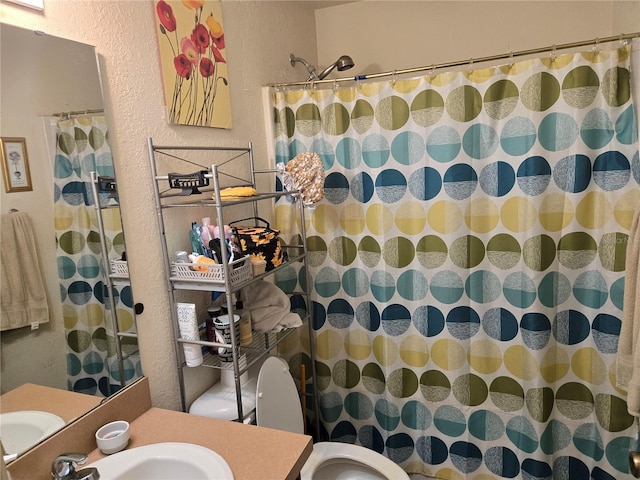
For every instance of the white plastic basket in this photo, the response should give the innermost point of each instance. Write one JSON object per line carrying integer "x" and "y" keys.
{"x": 240, "y": 271}
{"x": 119, "y": 268}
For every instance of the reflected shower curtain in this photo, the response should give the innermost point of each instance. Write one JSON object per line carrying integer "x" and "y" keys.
{"x": 82, "y": 146}
{"x": 467, "y": 264}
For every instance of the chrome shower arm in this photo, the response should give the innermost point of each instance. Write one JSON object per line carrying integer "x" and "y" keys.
{"x": 310, "y": 68}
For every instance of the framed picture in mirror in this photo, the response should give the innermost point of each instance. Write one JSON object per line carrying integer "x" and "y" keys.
{"x": 15, "y": 164}
{"x": 35, "y": 4}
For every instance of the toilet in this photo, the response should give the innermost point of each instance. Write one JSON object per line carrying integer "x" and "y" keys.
{"x": 278, "y": 406}
{"x": 220, "y": 400}
{"x": 275, "y": 398}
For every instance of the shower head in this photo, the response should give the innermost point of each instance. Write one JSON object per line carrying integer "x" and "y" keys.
{"x": 343, "y": 63}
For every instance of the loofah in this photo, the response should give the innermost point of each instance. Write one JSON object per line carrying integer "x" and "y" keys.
{"x": 237, "y": 192}
{"x": 202, "y": 262}
{"x": 304, "y": 172}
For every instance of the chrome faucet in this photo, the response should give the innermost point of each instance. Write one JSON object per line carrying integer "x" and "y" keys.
{"x": 64, "y": 468}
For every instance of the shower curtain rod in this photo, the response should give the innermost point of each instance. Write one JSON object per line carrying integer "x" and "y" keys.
{"x": 553, "y": 48}
{"x": 77, "y": 112}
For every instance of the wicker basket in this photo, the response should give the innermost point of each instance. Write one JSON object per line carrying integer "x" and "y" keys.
{"x": 240, "y": 272}
{"x": 119, "y": 268}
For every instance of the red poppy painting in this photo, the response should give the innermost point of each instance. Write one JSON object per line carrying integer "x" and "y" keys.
{"x": 194, "y": 62}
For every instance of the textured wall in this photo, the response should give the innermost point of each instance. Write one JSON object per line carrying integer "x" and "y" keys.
{"x": 123, "y": 32}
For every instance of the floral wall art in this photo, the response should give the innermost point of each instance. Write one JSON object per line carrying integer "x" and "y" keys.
{"x": 193, "y": 62}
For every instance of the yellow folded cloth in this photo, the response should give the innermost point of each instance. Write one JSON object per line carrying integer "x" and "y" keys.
{"x": 236, "y": 192}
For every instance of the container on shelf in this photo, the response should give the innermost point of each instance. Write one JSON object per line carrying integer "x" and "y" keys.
{"x": 240, "y": 271}
{"x": 246, "y": 336}
{"x": 213, "y": 313}
{"x": 258, "y": 266}
{"x": 119, "y": 268}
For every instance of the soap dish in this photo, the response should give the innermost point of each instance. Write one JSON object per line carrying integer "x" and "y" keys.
{"x": 113, "y": 437}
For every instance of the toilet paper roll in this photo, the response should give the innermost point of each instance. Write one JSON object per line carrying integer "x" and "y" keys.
{"x": 188, "y": 326}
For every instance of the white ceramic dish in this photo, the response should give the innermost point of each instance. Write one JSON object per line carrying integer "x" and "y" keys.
{"x": 113, "y": 437}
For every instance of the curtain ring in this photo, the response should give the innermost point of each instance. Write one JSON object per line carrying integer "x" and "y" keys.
{"x": 335, "y": 85}
{"x": 596, "y": 47}
{"x": 394, "y": 78}
{"x": 553, "y": 52}
{"x": 470, "y": 65}
{"x": 623, "y": 41}
{"x": 511, "y": 59}
{"x": 432, "y": 72}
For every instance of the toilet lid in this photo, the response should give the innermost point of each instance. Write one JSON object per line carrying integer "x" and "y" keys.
{"x": 277, "y": 400}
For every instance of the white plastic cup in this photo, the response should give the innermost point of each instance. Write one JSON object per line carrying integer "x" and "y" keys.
{"x": 113, "y": 437}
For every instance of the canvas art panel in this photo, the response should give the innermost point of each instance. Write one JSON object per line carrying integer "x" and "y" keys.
{"x": 193, "y": 61}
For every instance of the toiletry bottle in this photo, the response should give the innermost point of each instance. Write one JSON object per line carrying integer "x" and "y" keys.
{"x": 205, "y": 236}
{"x": 213, "y": 312}
{"x": 194, "y": 238}
{"x": 188, "y": 325}
{"x": 182, "y": 257}
{"x": 203, "y": 334}
{"x": 245, "y": 324}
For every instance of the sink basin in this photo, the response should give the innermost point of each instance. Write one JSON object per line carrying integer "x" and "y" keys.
{"x": 22, "y": 430}
{"x": 164, "y": 461}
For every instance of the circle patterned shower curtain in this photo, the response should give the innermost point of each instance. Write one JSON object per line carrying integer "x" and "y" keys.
{"x": 82, "y": 146}
{"x": 467, "y": 264}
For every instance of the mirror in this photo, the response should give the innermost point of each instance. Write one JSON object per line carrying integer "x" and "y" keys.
{"x": 51, "y": 99}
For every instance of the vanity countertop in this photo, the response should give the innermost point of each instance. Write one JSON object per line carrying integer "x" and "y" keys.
{"x": 67, "y": 405}
{"x": 252, "y": 452}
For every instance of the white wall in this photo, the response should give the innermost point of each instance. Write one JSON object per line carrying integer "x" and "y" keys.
{"x": 382, "y": 36}
{"x": 260, "y": 36}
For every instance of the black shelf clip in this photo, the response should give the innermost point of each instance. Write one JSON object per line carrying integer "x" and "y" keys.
{"x": 189, "y": 182}
{"x": 108, "y": 185}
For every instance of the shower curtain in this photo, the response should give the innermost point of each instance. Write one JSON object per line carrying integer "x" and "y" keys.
{"x": 82, "y": 146}
{"x": 467, "y": 264}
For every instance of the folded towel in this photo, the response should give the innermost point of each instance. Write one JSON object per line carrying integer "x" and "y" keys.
{"x": 264, "y": 294}
{"x": 273, "y": 319}
{"x": 628, "y": 357}
{"x": 270, "y": 307}
{"x": 23, "y": 298}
